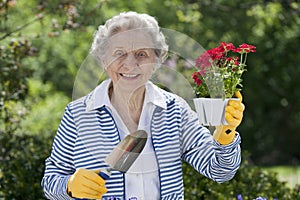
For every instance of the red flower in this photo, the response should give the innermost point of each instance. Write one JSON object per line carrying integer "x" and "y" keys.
{"x": 203, "y": 60}
{"x": 226, "y": 46}
{"x": 245, "y": 48}
{"x": 229, "y": 59}
{"x": 216, "y": 53}
{"x": 234, "y": 60}
{"x": 196, "y": 78}
{"x": 218, "y": 62}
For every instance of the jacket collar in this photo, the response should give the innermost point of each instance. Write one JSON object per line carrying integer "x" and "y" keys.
{"x": 99, "y": 97}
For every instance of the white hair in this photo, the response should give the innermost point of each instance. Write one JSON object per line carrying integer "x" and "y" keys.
{"x": 129, "y": 21}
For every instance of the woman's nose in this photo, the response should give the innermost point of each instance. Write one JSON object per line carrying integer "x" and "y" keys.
{"x": 130, "y": 61}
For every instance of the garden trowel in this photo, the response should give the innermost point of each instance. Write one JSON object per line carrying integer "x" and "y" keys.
{"x": 125, "y": 153}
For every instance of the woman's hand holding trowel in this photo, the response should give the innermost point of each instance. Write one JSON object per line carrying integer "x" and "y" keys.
{"x": 91, "y": 183}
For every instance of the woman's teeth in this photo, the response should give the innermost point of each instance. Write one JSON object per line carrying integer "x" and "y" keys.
{"x": 129, "y": 75}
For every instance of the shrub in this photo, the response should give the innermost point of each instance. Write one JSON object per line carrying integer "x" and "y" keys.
{"x": 22, "y": 165}
{"x": 250, "y": 182}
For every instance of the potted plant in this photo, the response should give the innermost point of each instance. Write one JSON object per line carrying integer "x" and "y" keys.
{"x": 218, "y": 77}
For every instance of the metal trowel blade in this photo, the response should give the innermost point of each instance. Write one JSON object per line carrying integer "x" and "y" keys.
{"x": 127, "y": 151}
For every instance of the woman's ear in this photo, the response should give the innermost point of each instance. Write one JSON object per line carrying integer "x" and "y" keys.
{"x": 157, "y": 64}
{"x": 104, "y": 65}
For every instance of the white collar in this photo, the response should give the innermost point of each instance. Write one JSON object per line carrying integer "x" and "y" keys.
{"x": 100, "y": 98}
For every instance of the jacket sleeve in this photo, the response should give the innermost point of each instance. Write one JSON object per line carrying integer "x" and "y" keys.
{"x": 206, "y": 155}
{"x": 59, "y": 166}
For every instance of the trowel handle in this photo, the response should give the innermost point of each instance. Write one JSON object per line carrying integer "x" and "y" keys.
{"x": 105, "y": 173}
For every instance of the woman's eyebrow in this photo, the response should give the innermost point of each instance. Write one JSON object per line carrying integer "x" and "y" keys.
{"x": 119, "y": 47}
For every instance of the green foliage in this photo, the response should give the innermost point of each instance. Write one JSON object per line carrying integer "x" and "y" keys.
{"x": 13, "y": 73}
{"x": 250, "y": 181}
{"x": 42, "y": 101}
{"x": 22, "y": 165}
{"x": 287, "y": 173}
{"x": 271, "y": 85}
{"x": 27, "y": 141}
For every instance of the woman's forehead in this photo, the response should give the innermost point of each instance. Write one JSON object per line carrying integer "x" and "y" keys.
{"x": 131, "y": 40}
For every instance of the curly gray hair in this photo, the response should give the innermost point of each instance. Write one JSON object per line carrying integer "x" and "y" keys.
{"x": 129, "y": 21}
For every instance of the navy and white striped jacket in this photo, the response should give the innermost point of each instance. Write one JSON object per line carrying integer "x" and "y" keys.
{"x": 85, "y": 137}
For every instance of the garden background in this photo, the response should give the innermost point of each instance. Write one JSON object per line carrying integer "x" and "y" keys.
{"x": 43, "y": 44}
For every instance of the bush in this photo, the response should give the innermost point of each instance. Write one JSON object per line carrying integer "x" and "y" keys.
{"x": 250, "y": 182}
{"x": 22, "y": 165}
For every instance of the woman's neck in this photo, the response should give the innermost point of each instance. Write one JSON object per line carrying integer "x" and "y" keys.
{"x": 132, "y": 99}
{"x": 128, "y": 104}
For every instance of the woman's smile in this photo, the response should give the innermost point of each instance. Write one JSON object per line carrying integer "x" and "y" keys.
{"x": 129, "y": 76}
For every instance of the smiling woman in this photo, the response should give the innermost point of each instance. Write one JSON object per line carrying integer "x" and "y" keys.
{"x": 130, "y": 60}
{"x": 130, "y": 47}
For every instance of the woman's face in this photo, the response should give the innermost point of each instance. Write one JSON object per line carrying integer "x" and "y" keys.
{"x": 130, "y": 59}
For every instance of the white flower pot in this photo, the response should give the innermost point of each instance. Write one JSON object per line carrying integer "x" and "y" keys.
{"x": 211, "y": 111}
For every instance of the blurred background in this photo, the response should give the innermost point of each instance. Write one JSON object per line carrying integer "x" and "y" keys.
{"x": 43, "y": 44}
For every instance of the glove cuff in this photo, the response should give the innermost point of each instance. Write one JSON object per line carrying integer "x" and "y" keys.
{"x": 224, "y": 134}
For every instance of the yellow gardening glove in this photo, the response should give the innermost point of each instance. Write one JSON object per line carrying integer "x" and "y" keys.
{"x": 86, "y": 184}
{"x": 225, "y": 134}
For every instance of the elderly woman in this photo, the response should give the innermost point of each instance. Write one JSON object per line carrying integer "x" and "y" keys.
{"x": 130, "y": 47}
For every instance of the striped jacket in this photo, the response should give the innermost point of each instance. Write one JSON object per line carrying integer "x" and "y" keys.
{"x": 85, "y": 137}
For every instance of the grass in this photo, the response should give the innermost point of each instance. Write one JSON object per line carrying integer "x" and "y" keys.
{"x": 289, "y": 174}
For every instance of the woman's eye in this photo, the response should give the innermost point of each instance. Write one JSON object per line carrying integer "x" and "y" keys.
{"x": 141, "y": 54}
{"x": 119, "y": 53}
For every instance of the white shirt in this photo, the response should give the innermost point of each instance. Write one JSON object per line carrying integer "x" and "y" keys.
{"x": 142, "y": 178}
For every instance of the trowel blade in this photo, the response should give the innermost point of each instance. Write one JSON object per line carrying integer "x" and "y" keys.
{"x": 127, "y": 151}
